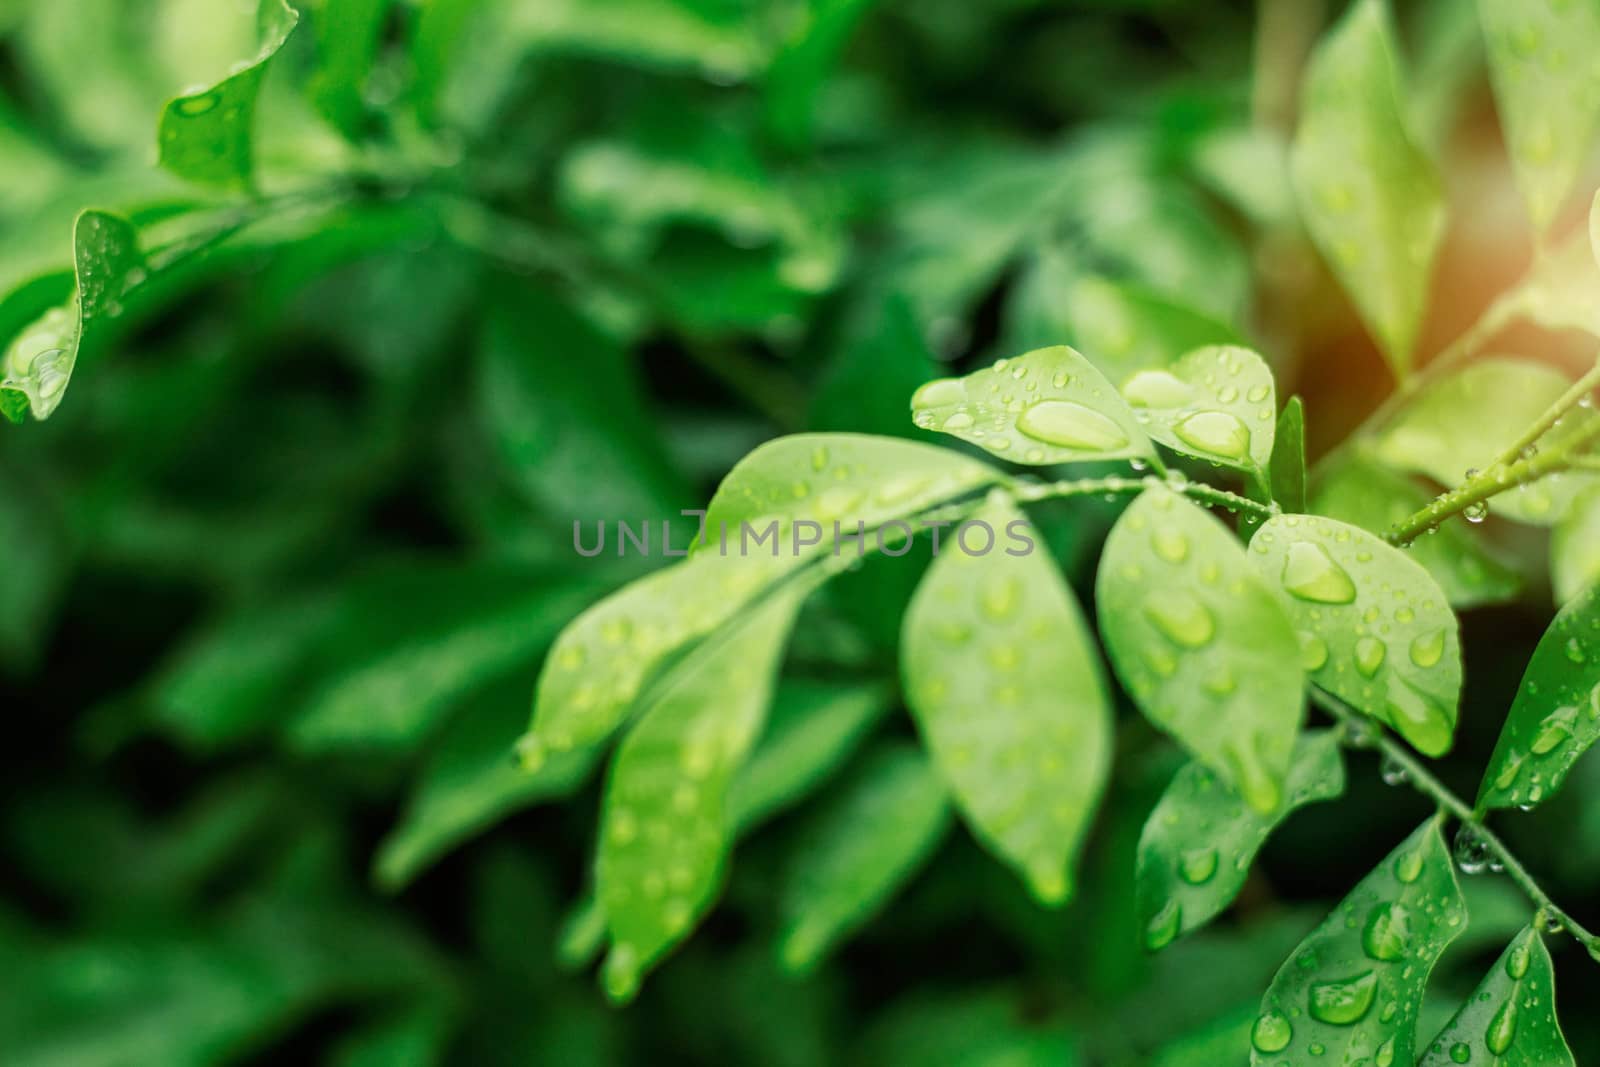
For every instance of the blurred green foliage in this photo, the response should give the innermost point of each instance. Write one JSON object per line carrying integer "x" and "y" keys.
{"x": 360, "y": 310}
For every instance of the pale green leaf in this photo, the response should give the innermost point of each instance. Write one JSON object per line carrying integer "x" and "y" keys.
{"x": 1201, "y": 643}
{"x": 1048, "y": 406}
{"x": 1199, "y": 842}
{"x": 827, "y": 478}
{"x": 664, "y": 831}
{"x": 206, "y": 135}
{"x": 1555, "y": 717}
{"x": 1561, "y": 290}
{"x": 1363, "y": 493}
{"x": 1510, "y": 1019}
{"x": 1369, "y": 196}
{"x": 1003, "y": 679}
{"x": 1351, "y": 992}
{"x": 469, "y": 781}
{"x": 1374, "y": 628}
{"x": 814, "y": 727}
{"x": 349, "y": 34}
{"x": 874, "y": 834}
{"x": 1575, "y": 548}
{"x": 1125, "y": 328}
{"x": 1546, "y": 93}
{"x": 39, "y": 362}
{"x": 1217, "y": 404}
{"x": 1288, "y": 467}
{"x": 1463, "y": 423}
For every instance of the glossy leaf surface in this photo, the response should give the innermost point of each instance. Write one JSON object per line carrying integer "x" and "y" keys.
{"x": 1351, "y": 991}
{"x": 1003, "y": 678}
{"x": 1201, "y": 643}
{"x": 1510, "y": 1019}
{"x": 1218, "y": 404}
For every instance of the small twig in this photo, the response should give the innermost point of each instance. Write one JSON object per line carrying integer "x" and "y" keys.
{"x": 1116, "y": 486}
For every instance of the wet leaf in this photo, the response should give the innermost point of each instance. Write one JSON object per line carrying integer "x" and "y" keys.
{"x": 1047, "y": 406}
{"x": 1555, "y": 717}
{"x": 875, "y": 833}
{"x": 206, "y": 136}
{"x": 1199, "y": 842}
{"x": 1288, "y": 467}
{"x": 1201, "y": 643}
{"x": 1463, "y": 422}
{"x": 1367, "y": 494}
{"x": 1549, "y": 106}
{"x": 664, "y": 832}
{"x": 1217, "y": 404}
{"x": 1351, "y": 991}
{"x": 1510, "y": 1019}
{"x": 1575, "y": 547}
{"x": 1369, "y": 196}
{"x": 1002, "y": 632}
{"x": 1124, "y": 328}
{"x": 1374, "y": 628}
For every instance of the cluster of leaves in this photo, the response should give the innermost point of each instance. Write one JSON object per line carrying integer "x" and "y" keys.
{"x": 413, "y": 287}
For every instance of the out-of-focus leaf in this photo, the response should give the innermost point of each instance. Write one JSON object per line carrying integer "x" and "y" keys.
{"x": 1369, "y": 495}
{"x": 1555, "y": 717}
{"x": 1217, "y": 403}
{"x": 725, "y": 42}
{"x": 413, "y": 1037}
{"x": 470, "y": 781}
{"x": 1549, "y": 107}
{"x": 37, "y": 554}
{"x": 1201, "y": 643}
{"x": 802, "y": 64}
{"x": 206, "y": 136}
{"x": 406, "y": 667}
{"x": 1562, "y": 291}
{"x": 1575, "y": 548}
{"x": 870, "y": 839}
{"x": 1352, "y": 989}
{"x": 1288, "y": 467}
{"x": 1249, "y": 166}
{"x": 664, "y": 833}
{"x": 39, "y": 362}
{"x": 1046, "y": 406}
{"x": 814, "y": 727}
{"x": 1199, "y": 842}
{"x": 1463, "y": 422}
{"x": 348, "y": 38}
{"x": 1374, "y": 627}
{"x": 984, "y": 1027}
{"x": 1369, "y": 196}
{"x": 1510, "y": 1019}
{"x": 1002, "y": 631}
{"x": 1124, "y": 328}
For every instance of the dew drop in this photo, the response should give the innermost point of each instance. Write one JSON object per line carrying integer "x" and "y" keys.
{"x": 1311, "y": 574}
{"x": 1157, "y": 389}
{"x": 1068, "y": 424}
{"x": 1370, "y": 653}
{"x": 1387, "y": 931}
{"x": 957, "y": 422}
{"x": 1215, "y": 432}
{"x": 1502, "y": 1028}
{"x": 1343, "y": 1002}
{"x": 1313, "y": 651}
{"x": 1471, "y": 851}
{"x": 1555, "y": 731}
{"x": 939, "y": 393}
{"x": 1393, "y": 772}
{"x": 1408, "y": 867}
{"x": 1426, "y": 649}
{"x": 1197, "y": 866}
{"x": 1181, "y": 618}
{"x": 1461, "y": 1052}
{"x": 999, "y": 598}
{"x": 1271, "y": 1033}
{"x": 1171, "y": 546}
{"x": 1163, "y": 927}
{"x": 1517, "y": 961}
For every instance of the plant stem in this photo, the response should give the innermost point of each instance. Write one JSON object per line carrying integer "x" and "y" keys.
{"x": 1491, "y": 483}
{"x": 1565, "y": 403}
{"x": 1119, "y": 486}
{"x": 1423, "y": 781}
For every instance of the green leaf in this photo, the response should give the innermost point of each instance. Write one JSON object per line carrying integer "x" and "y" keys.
{"x": 664, "y": 831}
{"x": 38, "y": 563}
{"x": 1199, "y": 842}
{"x": 39, "y": 362}
{"x": 1374, "y": 628}
{"x": 1575, "y": 548}
{"x": 1463, "y": 422}
{"x": 1201, "y": 643}
{"x": 1364, "y": 493}
{"x": 469, "y": 782}
{"x": 1561, "y": 290}
{"x": 814, "y": 727}
{"x": 1002, "y": 632}
{"x": 874, "y": 834}
{"x": 1217, "y": 404}
{"x": 1549, "y": 106}
{"x": 1555, "y": 717}
{"x": 1352, "y": 990}
{"x": 206, "y": 136}
{"x": 1048, "y": 406}
{"x": 800, "y": 70}
{"x": 1369, "y": 196}
{"x": 349, "y": 34}
{"x": 1288, "y": 467}
{"x": 393, "y": 695}
{"x": 826, "y": 478}
{"x": 1510, "y": 1019}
